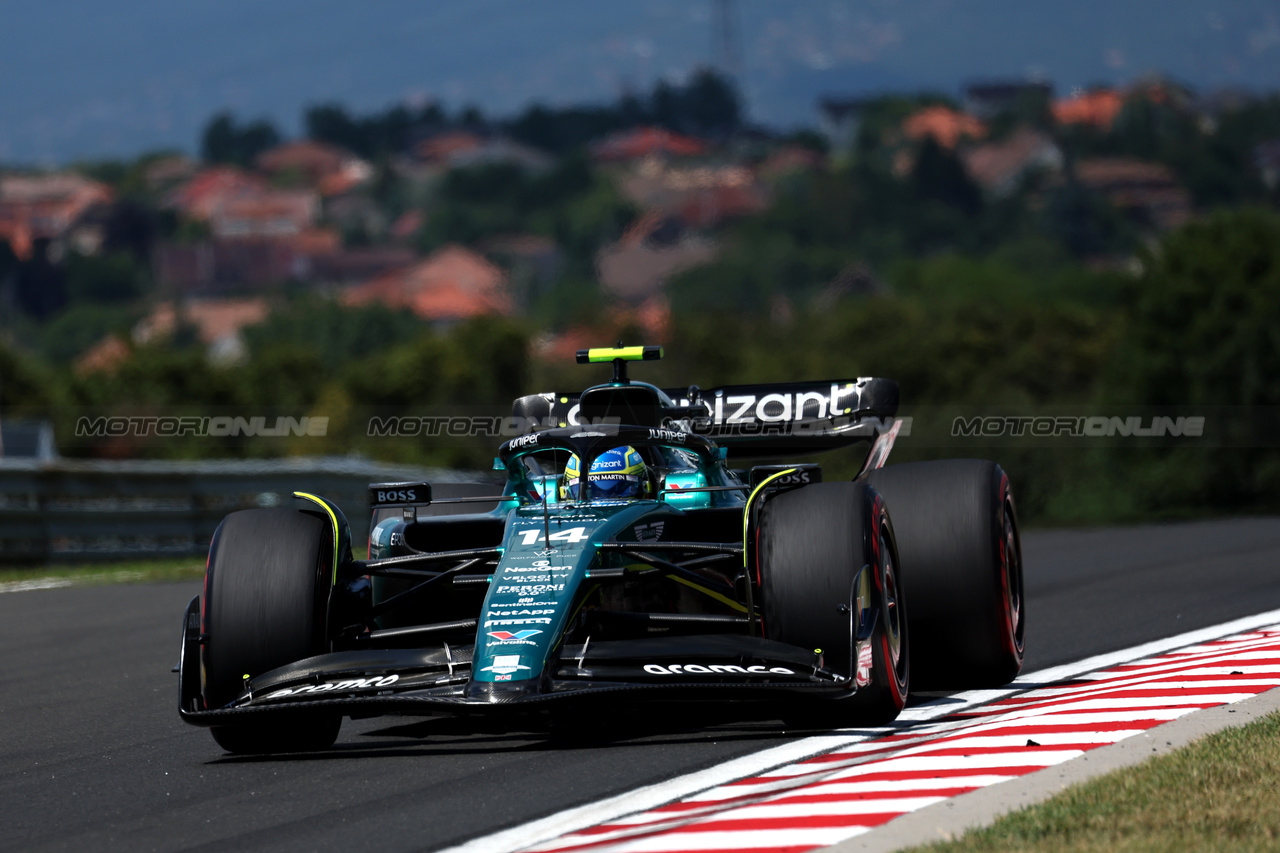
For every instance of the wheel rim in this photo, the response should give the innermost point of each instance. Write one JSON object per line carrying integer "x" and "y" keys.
{"x": 1012, "y": 579}
{"x": 892, "y": 612}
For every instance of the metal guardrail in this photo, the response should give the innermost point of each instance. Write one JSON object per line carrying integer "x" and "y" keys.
{"x": 89, "y": 510}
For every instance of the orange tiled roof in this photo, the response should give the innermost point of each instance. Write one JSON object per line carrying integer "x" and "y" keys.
{"x": 304, "y": 155}
{"x": 211, "y": 188}
{"x": 442, "y": 145}
{"x": 1098, "y": 108}
{"x": 1117, "y": 171}
{"x": 214, "y": 318}
{"x": 33, "y": 206}
{"x": 452, "y": 284}
{"x": 945, "y": 125}
{"x": 104, "y": 356}
{"x": 646, "y": 141}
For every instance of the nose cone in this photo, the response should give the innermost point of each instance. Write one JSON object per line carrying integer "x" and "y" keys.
{"x": 495, "y": 693}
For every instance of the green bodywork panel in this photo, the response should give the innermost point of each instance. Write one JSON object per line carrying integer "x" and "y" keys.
{"x": 534, "y": 595}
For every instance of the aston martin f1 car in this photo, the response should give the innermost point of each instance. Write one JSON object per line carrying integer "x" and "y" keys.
{"x": 624, "y": 561}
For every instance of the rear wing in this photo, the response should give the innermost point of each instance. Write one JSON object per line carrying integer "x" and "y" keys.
{"x": 772, "y": 419}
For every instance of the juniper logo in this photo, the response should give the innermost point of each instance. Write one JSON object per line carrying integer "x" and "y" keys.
{"x": 1095, "y": 426}
{"x": 215, "y": 427}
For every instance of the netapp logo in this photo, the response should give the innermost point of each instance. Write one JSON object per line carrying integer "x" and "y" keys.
{"x": 340, "y": 686}
{"x": 714, "y": 669}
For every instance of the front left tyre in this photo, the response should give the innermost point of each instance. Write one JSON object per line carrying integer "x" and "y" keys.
{"x": 265, "y": 600}
{"x": 814, "y": 544}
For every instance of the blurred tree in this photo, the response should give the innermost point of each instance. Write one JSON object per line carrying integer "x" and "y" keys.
{"x": 334, "y": 334}
{"x": 939, "y": 175}
{"x": 28, "y": 388}
{"x": 130, "y": 227}
{"x": 1202, "y": 338}
{"x": 41, "y": 286}
{"x": 709, "y": 105}
{"x": 1204, "y": 315}
{"x": 330, "y": 123}
{"x": 226, "y": 141}
{"x": 69, "y": 334}
{"x": 105, "y": 278}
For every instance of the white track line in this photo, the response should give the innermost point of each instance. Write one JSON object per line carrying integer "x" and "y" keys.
{"x": 38, "y": 583}
{"x": 652, "y": 796}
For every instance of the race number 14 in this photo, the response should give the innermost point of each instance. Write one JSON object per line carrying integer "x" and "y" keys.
{"x": 573, "y": 535}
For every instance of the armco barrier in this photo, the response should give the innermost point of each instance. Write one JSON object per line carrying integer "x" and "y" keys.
{"x": 69, "y": 510}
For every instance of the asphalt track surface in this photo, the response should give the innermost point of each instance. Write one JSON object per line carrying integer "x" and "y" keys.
{"x": 95, "y": 758}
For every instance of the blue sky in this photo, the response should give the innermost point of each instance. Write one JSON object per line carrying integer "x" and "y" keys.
{"x": 93, "y": 79}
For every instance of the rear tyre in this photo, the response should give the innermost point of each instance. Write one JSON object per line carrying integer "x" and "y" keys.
{"x": 812, "y": 543}
{"x": 266, "y": 590}
{"x": 958, "y": 539}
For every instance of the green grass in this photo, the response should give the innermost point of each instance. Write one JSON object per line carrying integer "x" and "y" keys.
{"x": 1219, "y": 793}
{"x": 96, "y": 574}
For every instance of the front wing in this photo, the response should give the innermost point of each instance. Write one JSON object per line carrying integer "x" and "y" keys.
{"x": 436, "y": 680}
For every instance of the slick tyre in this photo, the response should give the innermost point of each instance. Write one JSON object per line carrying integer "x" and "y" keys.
{"x": 957, "y": 533}
{"x": 266, "y": 591}
{"x": 812, "y": 544}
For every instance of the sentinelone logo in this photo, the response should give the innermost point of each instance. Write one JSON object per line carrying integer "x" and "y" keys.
{"x": 1094, "y": 427}
{"x": 217, "y": 427}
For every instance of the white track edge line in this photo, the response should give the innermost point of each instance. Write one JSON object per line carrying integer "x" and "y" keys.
{"x": 658, "y": 794}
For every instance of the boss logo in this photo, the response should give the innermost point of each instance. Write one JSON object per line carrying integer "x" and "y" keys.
{"x": 795, "y": 475}
{"x": 397, "y": 494}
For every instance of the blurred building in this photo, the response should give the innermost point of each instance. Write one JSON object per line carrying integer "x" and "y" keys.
{"x": 462, "y": 150}
{"x": 642, "y": 143}
{"x": 946, "y": 126}
{"x": 533, "y": 262}
{"x": 165, "y": 173}
{"x": 1266, "y": 159}
{"x": 1000, "y": 168}
{"x": 452, "y": 284}
{"x": 701, "y": 196}
{"x": 1097, "y": 108}
{"x": 986, "y": 100}
{"x": 217, "y": 323}
{"x": 327, "y": 169}
{"x": 1148, "y": 192}
{"x": 841, "y": 120}
{"x": 50, "y": 207}
{"x": 656, "y": 246}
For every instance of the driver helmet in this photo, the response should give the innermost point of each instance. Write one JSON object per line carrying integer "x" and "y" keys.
{"x": 619, "y": 472}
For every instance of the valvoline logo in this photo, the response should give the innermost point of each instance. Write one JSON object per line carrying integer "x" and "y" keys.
{"x": 504, "y": 636}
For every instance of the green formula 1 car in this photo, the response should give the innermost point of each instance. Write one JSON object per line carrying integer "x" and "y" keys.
{"x": 625, "y": 560}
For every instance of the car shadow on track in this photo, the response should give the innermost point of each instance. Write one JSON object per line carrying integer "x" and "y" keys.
{"x": 605, "y": 727}
{"x": 446, "y": 736}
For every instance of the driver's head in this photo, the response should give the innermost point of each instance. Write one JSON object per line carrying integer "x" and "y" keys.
{"x": 616, "y": 473}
